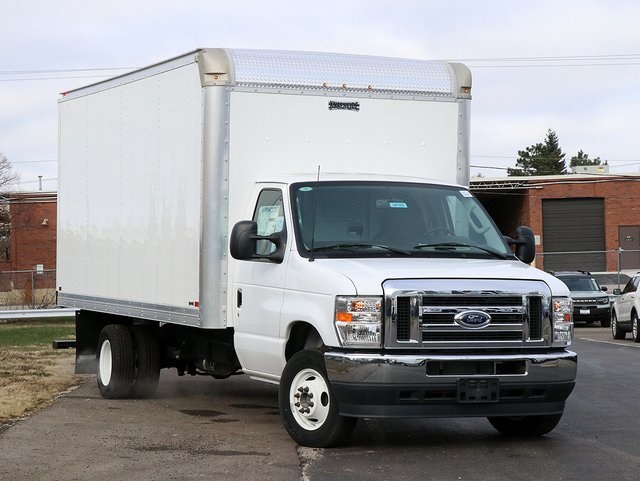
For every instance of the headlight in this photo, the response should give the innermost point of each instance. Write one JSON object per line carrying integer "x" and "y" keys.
{"x": 359, "y": 321}
{"x": 562, "y": 319}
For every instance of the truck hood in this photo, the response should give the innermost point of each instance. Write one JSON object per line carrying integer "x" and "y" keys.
{"x": 367, "y": 275}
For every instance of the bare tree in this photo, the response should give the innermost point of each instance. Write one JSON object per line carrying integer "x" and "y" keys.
{"x": 8, "y": 179}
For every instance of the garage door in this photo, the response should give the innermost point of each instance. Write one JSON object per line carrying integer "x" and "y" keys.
{"x": 573, "y": 234}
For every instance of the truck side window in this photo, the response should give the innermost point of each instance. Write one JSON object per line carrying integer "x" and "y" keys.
{"x": 269, "y": 215}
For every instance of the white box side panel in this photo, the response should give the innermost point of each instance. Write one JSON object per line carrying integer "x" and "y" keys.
{"x": 130, "y": 184}
{"x": 281, "y": 134}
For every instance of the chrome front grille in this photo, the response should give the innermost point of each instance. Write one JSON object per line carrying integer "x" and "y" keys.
{"x": 426, "y": 313}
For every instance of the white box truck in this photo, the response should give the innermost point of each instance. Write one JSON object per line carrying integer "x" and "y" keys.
{"x": 302, "y": 218}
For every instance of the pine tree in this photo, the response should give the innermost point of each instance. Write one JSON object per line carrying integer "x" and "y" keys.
{"x": 541, "y": 159}
{"x": 583, "y": 159}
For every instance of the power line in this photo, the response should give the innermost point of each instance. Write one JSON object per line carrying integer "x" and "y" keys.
{"x": 479, "y": 156}
{"x": 37, "y": 181}
{"x": 626, "y": 56}
{"x": 516, "y": 157}
{"x": 109, "y": 71}
{"x": 29, "y": 79}
{"x": 32, "y": 161}
{"x": 632, "y": 56}
{"x": 64, "y": 70}
{"x": 604, "y": 60}
{"x": 607, "y": 60}
{"x": 559, "y": 65}
{"x": 488, "y": 167}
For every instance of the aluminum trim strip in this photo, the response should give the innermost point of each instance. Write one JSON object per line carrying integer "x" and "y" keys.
{"x": 141, "y": 310}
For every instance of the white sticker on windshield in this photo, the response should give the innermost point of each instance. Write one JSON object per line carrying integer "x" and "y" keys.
{"x": 397, "y": 205}
{"x": 466, "y": 193}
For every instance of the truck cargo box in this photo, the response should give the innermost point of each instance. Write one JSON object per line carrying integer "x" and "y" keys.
{"x": 156, "y": 165}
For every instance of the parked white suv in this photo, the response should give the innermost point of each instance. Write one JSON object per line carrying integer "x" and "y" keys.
{"x": 625, "y": 311}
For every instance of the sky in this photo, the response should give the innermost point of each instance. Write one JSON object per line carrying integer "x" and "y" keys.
{"x": 566, "y": 65}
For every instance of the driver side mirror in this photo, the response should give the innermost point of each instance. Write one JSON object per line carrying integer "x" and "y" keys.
{"x": 525, "y": 244}
{"x": 244, "y": 241}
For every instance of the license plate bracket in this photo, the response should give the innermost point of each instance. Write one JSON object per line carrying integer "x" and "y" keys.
{"x": 480, "y": 390}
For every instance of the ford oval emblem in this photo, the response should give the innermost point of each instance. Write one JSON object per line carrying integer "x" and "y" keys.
{"x": 472, "y": 319}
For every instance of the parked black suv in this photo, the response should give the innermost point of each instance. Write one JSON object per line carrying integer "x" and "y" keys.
{"x": 590, "y": 303}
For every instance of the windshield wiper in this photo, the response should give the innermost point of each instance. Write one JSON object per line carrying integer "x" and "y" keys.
{"x": 356, "y": 246}
{"x": 452, "y": 246}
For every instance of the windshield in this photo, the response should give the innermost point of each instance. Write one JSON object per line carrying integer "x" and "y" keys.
{"x": 349, "y": 219}
{"x": 581, "y": 283}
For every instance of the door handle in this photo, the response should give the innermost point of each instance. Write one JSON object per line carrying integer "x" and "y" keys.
{"x": 239, "y": 298}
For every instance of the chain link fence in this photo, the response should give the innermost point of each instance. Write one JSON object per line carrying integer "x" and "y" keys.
{"x": 35, "y": 289}
{"x": 612, "y": 267}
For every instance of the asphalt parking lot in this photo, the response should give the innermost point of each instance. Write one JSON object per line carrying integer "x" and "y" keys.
{"x": 194, "y": 428}
{"x": 199, "y": 428}
{"x": 595, "y": 333}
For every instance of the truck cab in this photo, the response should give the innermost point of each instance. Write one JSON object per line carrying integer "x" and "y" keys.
{"x": 395, "y": 297}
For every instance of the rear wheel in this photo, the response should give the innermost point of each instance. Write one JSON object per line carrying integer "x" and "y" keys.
{"x": 147, "y": 363}
{"x": 308, "y": 408}
{"x": 115, "y": 362}
{"x": 635, "y": 329}
{"x": 526, "y": 426}
{"x": 615, "y": 328}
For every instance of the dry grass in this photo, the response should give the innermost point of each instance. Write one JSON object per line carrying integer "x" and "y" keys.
{"x": 32, "y": 376}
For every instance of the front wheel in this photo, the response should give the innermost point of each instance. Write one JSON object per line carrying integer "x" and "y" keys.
{"x": 308, "y": 408}
{"x": 526, "y": 426}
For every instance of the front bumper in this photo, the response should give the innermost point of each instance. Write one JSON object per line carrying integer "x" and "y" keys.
{"x": 423, "y": 385}
{"x": 591, "y": 313}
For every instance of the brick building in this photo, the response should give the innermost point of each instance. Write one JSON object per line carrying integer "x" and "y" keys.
{"x": 580, "y": 221}
{"x": 28, "y": 231}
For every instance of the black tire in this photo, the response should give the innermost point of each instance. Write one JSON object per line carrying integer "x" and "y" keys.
{"x": 605, "y": 322}
{"x": 635, "y": 328}
{"x": 616, "y": 332}
{"x": 526, "y": 426}
{"x": 115, "y": 362}
{"x": 308, "y": 409}
{"x": 147, "y": 363}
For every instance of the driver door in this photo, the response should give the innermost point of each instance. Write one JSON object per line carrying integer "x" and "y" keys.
{"x": 259, "y": 294}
